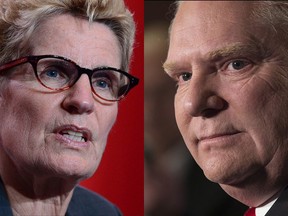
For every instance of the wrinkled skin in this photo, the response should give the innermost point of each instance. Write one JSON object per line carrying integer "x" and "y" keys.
{"x": 231, "y": 103}
{"x": 36, "y": 158}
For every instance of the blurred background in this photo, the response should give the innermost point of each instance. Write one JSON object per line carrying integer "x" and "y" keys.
{"x": 173, "y": 182}
{"x": 119, "y": 177}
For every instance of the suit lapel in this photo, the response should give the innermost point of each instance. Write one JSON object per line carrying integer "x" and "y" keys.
{"x": 280, "y": 207}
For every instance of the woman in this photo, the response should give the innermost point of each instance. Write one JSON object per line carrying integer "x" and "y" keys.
{"x": 62, "y": 66}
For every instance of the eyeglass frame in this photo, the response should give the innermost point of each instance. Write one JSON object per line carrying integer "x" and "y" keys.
{"x": 34, "y": 59}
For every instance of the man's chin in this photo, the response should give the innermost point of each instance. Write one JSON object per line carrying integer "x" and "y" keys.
{"x": 223, "y": 177}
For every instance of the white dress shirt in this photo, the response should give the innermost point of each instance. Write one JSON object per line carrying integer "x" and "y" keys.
{"x": 261, "y": 211}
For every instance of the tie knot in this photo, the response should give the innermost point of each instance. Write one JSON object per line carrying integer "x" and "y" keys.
{"x": 250, "y": 212}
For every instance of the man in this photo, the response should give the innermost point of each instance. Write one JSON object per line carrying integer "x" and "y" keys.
{"x": 229, "y": 60}
{"x": 172, "y": 180}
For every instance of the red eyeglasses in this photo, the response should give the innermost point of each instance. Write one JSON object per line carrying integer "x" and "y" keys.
{"x": 58, "y": 73}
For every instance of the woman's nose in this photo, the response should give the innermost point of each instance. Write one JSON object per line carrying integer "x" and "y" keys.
{"x": 79, "y": 98}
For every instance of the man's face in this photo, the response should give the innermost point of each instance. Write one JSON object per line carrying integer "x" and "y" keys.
{"x": 36, "y": 123}
{"x": 231, "y": 103}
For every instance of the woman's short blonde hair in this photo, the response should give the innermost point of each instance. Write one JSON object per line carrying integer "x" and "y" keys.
{"x": 20, "y": 18}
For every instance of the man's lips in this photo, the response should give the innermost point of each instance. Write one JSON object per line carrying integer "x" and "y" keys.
{"x": 74, "y": 133}
{"x": 217, "y": 135}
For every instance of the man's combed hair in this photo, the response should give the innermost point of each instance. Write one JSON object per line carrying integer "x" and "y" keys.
{"x": 275, "y": 14}
{"x": 20, "y": 18}
{"x": 272, "y": 13}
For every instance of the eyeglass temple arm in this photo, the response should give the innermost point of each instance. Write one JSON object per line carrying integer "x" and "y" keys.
{"x": 134, "y": 82}
{"x": 14, "y": 63}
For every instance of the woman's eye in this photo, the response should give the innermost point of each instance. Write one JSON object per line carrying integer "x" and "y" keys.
{"x": 52, "y": 73}
{"x": 237, "y": 65}
{"x": 102, "y": 83}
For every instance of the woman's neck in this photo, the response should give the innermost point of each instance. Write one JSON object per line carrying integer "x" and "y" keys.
{"x": 52, "y": 199}
{"x": 32, "y": 193}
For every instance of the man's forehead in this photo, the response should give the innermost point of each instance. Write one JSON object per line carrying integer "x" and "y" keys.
{"x": 216, "y": 18}
{"x": 225, "y": 34}
{"x": 217, "y": 5}
{"x": 213, "y": 10}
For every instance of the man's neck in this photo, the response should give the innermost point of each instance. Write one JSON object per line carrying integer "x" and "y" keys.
{"x": 254, "y": 195}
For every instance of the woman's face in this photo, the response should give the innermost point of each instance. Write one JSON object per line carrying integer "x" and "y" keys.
{"x": 60, "y": 134}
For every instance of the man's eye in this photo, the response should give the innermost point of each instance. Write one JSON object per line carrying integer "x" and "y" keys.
{"x": 237, "y": 65}
{"x": 185, "y": 77}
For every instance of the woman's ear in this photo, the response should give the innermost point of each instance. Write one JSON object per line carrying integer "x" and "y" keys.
{"x": 4, "y": 93}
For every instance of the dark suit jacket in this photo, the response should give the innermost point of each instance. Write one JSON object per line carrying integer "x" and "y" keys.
{"x": 280, "y": 207}
{"x": 83, "y": 203}
{"x": 209, "y": 199}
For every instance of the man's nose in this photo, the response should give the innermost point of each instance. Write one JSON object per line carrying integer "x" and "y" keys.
{"x": 79, "y": 98}
{"x": 202, "y": 97}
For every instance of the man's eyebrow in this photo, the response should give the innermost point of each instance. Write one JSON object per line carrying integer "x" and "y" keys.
{"x": 232, "y": 50}
{"x": 254, "y": 49}
{"x": 169, "y": 66}
{"x": 238, "y": 50}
